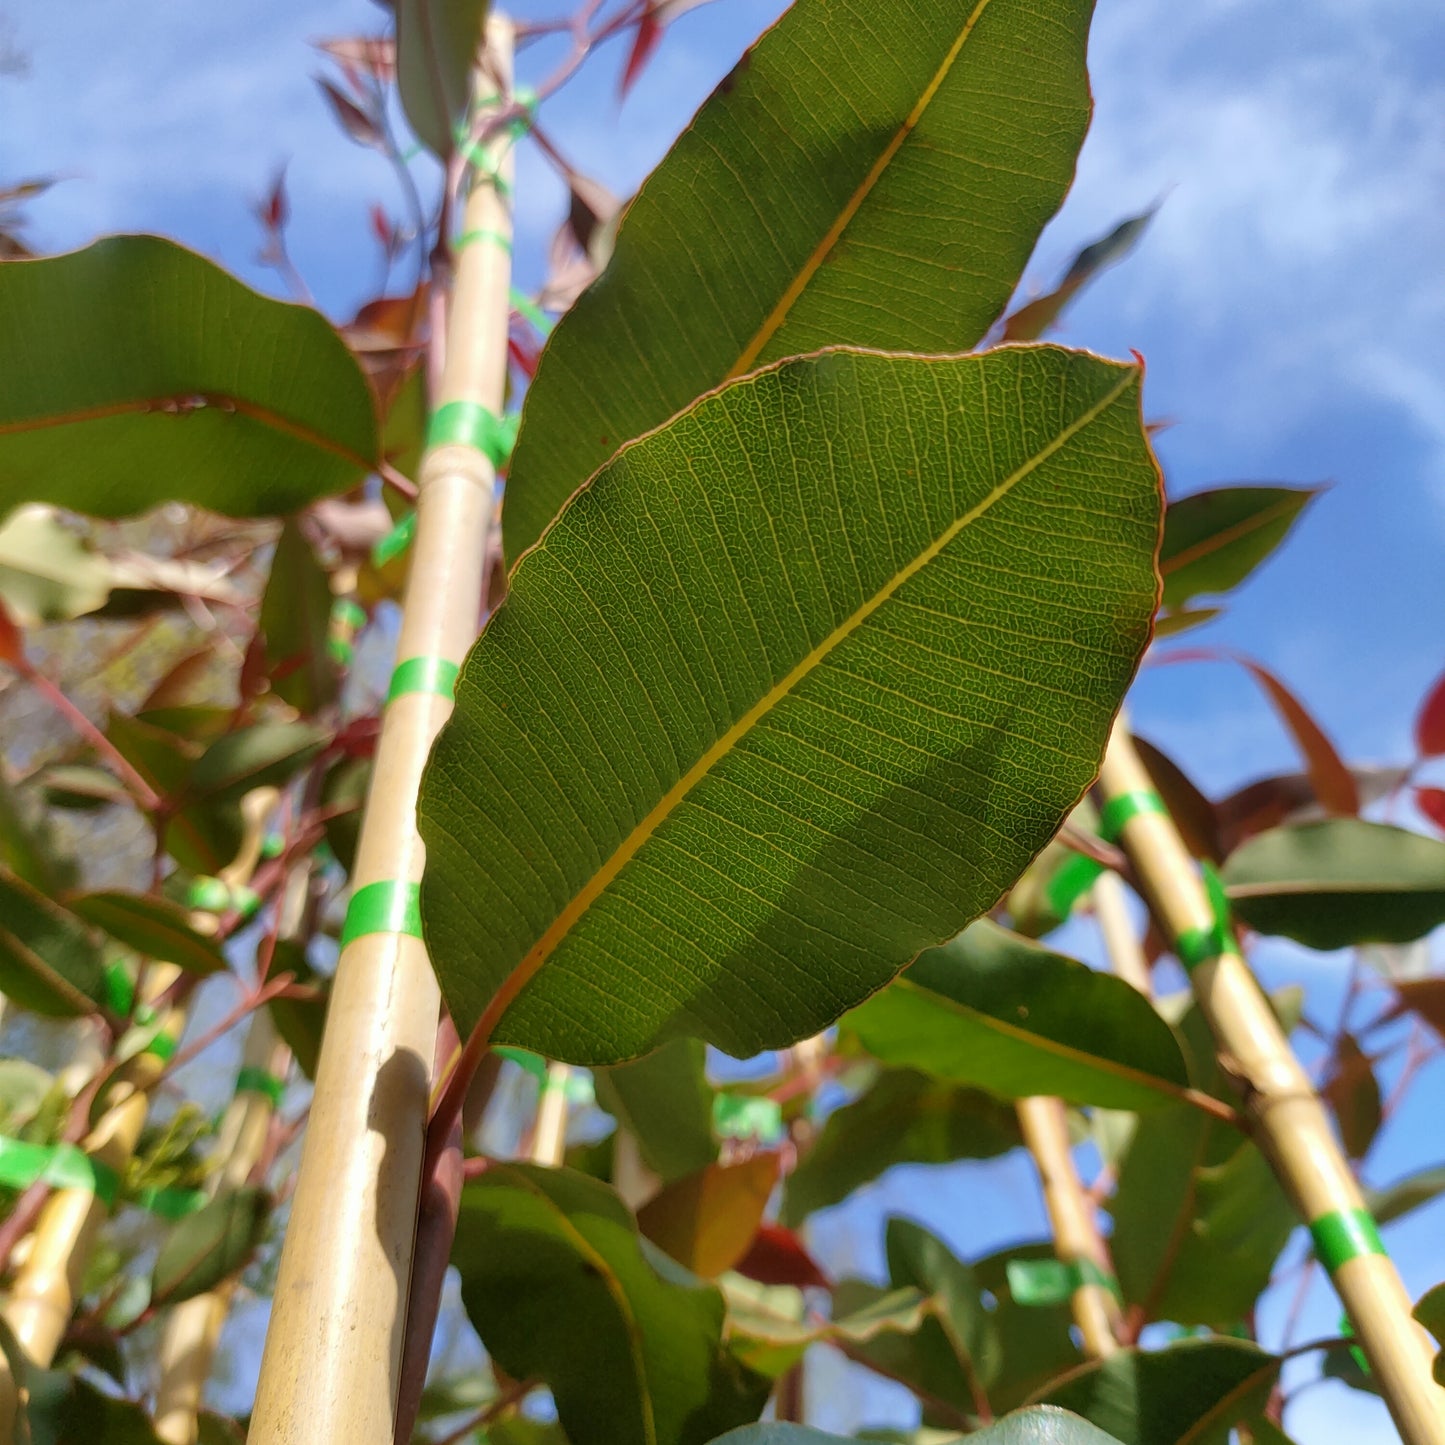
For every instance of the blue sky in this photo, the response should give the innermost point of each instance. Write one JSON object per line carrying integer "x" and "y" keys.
{"x": 1289, "y": 299}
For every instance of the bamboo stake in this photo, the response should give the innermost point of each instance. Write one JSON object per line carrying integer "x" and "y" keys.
{"x": 1288, "y": 1121}
{"x": 47, "y": 1285}
{"x": 330, "y": 1370}
{"x": 1121, "y": 943}
{"x": 1077, "y": 1241}
{"x": 549, "y": 1132}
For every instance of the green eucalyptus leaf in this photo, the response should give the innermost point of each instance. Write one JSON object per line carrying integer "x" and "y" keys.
{"x": 999, "y": 1012}
{"x": 210, "y": 1245}
{"x": 559, "y": 1287}
{"x": 135, "y": 372}
{"x": 1191, "y": 1393}
{"x": 839, "y": 187}
{"x": 1398, "y": 1199}
{"x": 1430, "y": 1311}
{"x": 295, "y": 620}
{"x": 765, "y": 714}
{"x": 1041, "y": 1425}
{"x": 49, "y": 961}
{"x": 1332, "y": 884}
{"x": 904, "y": 1118}
{"x": 152, "y": 926}
{"x": 666, "y": 1102}
{"x": 437, "y": 44}
{"x": 1213, "y": 540}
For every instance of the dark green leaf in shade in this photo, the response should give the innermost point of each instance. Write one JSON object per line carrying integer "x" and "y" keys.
{"x": 665, "y": 1101}
{"x": 1398, "y": 1199}
{"x": 295, "y": 618}
{"x": 559, "y": 1287}
{"x": 152, "y": 926}
{"x": 343, "y": 795}
{"x": 904, "y": 1118}
{"x": 1213, "y": 540}
{"x": 1035, "y": 1343}
{"x": 874, "y": 176}
{"x": 28, "y": 848}
{"x": 209, "y": 1246}
{"x": 763, "y": 716}
{"x": 994, "y": 1010}
{"x": 64, "y": 1409}
{"x": 135, "y": 372}
{"x": 1430, "y": 1311}
{"x": 1345, "y": 881}
{"x": 1191, "y": 1393}
{"x": 1035, "y": 317}
{"x": 1041, "y": 1425}
{"x": 1353, "y": 1094}
{"x": 49, "y": 961}
{"x": 300, "y": 1021}
{"x": 1192, "y": 812}
{"x": 437, "y": 43}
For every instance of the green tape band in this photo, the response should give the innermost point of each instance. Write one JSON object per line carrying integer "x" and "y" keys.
{"x": 273, "y": 845}
{"x": 742, "y": 1116}
{"x": 119, "y": 990}
{"x": 62, "y": 1166}
{"x": 386, "y": 907}
{"x": 212, "y": 895}
{"x": 1345, "y": 1235}
{"x": 1038, "y": 1282}
{"x": 170, "y": 1203}
{"x": 345, "y": 612}
{"x": 1124, "y": 807}
{"x": 395, "y": 542}
{"x": 340, "y": 651}
{"x": 470, "y": 424}
{"x": 534, "y": 1064}
{"x": 251, "y": 1080}
{"x": 1347, "y": 1329}
{"x": 163, "y": 1047}
{"x": 525, "y": 306}
{"x": 1196, "y": 946}
{"x": 472, "y": 238}
{"x": 1072, "y": 879}
{"x": 424, "y": 674}
{"x": 487, "y": 163}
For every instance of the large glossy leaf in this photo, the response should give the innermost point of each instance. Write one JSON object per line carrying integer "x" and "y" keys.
{"x": 135, "y": 372}
{"x": 557, "y": 1285}
{"x": 872, "y": 180}
{"x": 904, "y": 1118}
{"x": 795, "y": 688}
{"x": 1213, "y": 540}
{"x": 48, "y": 960}
{"x": 1189, "y": 1394}
{"x": 1332, "y": 884}
{"x": 994, "y": 1010}
{"x": 1041, "y": 1425}
{"x": 437, "y": 42}
{"x": 666, "y": 1101}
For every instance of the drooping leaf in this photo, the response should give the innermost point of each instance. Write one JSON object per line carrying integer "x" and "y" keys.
{"x": 437, "y": 43}
{"x": 152, "y": 926}
{"x": 295, "y": 616}
{"x": 1396, "y": 1200}
{"x": 773, "y": 650}
{"x": 210, "y": 1245}
{"x": 300, "y": 1021}
{"x": 822, "y": 196}
{"x": 47, "y": 573}
{"x": 1353, "y": 1093}
{"x": 1041, "y": 1425}
{"x": 352, "y": 117}
{"x": 666, "y": 1102}
{"x": 1214, "y": 539}
{"x": 1191, "y": 1393}
{"x": 135, "y": 372}
{"x": 905, "y": 1117}
{"x": 48, "y": 960}
{"x": 993, "y": 1010}
{"x": 1430, "y": 1311}
{"x": 1192, "y": 812}
{"x": 1035, "y": 317}
{"x": 1345, "y": 881}
{"x": 550, "y": 1259}
{"x": 706, "y": 1220}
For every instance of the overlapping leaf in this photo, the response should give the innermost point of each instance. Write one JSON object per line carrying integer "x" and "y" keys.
{"x": 558, "y": 1287}
{"x": 795, "y": 688}
{"x": 48, "y": 960}
{"x": 666, "y": 1102}
{"x": 996, "y": 1011}
{"x": 135, "y": 372}
{"x": 437, "y": 42}
{"x": 869, "y": 175}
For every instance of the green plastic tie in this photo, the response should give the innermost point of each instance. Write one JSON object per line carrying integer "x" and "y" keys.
{"x": 347, "y": 612}
{"x": 469, "y": 423}
{"x": 119, "y": 990}
{"x": 212, "y": 895}
{"x": 484, "y": 233}
{"x": 162, "y": 1047}
{"x": 251, "y": 1080}
{"x": 1197, "y": 946}
{"x": 436, "y": 675}
{"x": 1072, "y": 879}
{"x": 386, "y": 907}
{"x": 62, "y": 1166}
{"x": 524, "y": 306}
{"x": 525, "y": 1059}
{"x": 1344, "y": 1235}
{"x": 1347, "y": 1329}
{"x": 744, "y": 1116}
{"x": 170, "y": 1203}
{"x": 1039, "y": 1282}
{"x": 273, "y": 845}
{"x": 395, "y": 542}
{"x": 1124, "y": 808}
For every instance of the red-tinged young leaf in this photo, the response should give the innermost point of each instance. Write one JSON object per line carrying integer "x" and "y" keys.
{"x": 1191, "y": 810}
{"x": 644, "y": 42}
{"x": 361, "y": 127}
{"x": 375, "y": 54}
{"x": 1334, "y": 784}
{"x": 274, "y": 210}
{"x": 12, "y": 644}
{"x": 706, "y": 1221}
{"x": 1431, "y": 802}
{"x": 383, "y": 230}
{"x": 1354, "y": 1094}
{"x": 1430, "y": 722}
{"x": 777, "y": 1256}
{"x": 1425, "y": 997}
